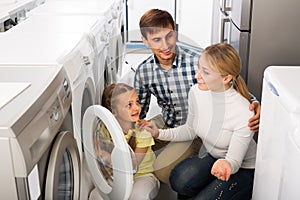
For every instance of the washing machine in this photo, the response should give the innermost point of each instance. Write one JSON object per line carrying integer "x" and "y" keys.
{"x": 117, "y": 38}
{"x": 278, "y": 149}
{"x": 115, "y": 182}
{"x": 111, "y": 9}
{"x": 95, "y": 27}
{"x": 5, "y": 19}
{"x": 39, "y": 155}
{"x": 18, "y": 11}
{"x": 109, "y": 158}
{"x": 62, "y": 52}
{"x": 4, "y": 16}
{"x": 69, "y": 51}
{"x": 117, "y": 47}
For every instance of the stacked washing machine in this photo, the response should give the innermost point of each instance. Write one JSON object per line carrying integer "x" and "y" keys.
{"x": 71, "y": 45}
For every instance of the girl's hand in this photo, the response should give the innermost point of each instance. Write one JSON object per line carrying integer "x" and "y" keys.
{"x": 221, "y": 169}
{"x": 150, "y": 126}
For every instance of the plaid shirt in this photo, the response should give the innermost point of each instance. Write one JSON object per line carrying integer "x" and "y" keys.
{"x": 170, "y": 87}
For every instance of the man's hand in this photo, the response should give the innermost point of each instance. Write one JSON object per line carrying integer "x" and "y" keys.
{"x": 254, "y": 121}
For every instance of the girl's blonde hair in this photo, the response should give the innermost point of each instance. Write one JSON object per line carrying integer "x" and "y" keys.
{"x": 110, "y": 101}
{"x": 226, "y": 60}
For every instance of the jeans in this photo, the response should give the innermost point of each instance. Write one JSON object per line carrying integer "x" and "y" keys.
{"x": 192, "y": 177}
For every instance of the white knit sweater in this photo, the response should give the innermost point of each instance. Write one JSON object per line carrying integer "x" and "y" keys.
{"x": 221, "y": 121}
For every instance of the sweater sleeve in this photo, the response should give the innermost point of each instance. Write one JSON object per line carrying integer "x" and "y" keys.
{"x": 240, "y": 140}
{"x": 184, "y": 132}
{"x": 238, "y": 148}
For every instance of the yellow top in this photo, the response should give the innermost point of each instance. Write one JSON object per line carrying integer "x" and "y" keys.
{"x": 143, "y": 139}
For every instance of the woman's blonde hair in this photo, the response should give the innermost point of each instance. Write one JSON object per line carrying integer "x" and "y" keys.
{"x": 226, "y": 60}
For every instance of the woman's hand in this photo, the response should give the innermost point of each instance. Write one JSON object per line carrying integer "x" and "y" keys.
{"x": 221, "y": 169}
{"x": 150, "y": 126}
{"x": 254, "y": 121}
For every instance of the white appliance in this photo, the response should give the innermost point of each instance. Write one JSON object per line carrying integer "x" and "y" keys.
{"x": 136, "y": 8}
{"x": 191, "y": 14}
{"x": 107, "y": 8}
{"x": 278, "y": 153}
{"x": 68, "y": 51}
{"x": 264, "y": 33}
{"x": 113, "y": 174}
{"x": 232, "y": 24}
{"x": 118, "y": 40}
{"x": 95, "y": 27}
{"x": 39, "y": 156}
{"x": 18, "y": 10}
{"x": 5, "y": 6}
{"x": 4, "y": 16}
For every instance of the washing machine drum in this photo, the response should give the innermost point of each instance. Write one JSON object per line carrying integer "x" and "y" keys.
{"x": 63, "y": 174}
{"x": 110, "y": 160}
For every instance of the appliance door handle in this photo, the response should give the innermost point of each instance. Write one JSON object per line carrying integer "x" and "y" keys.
{"x": 222, "y": 31}
{"x": 223, "y": 6}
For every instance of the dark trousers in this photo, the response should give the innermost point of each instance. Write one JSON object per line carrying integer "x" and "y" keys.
{"x": 192, "y": 177}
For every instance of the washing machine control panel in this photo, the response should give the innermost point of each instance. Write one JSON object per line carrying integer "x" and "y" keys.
{"x": 65, "y": 96}
{"x": 55, "y": 114}
{"x": 61, "y": 105}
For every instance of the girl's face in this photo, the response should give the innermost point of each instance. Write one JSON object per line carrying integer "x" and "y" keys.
{"x": 128, "y": 108}
{"x": 208, "y": 78}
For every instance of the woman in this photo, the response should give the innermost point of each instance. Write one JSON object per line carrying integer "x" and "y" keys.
{"x": 218, "y": 113}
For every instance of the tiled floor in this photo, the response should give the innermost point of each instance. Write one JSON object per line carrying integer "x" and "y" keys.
{"x": 132, "y": 59}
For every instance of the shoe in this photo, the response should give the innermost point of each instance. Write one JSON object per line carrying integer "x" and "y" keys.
{"x": 183, "y": 197}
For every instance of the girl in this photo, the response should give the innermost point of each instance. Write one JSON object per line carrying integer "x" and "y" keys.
{"x": 218, "y": 113}
{"x": 122, "y": 100}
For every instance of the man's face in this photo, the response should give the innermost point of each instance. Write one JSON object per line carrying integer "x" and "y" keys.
{"x": 162, "y": 43}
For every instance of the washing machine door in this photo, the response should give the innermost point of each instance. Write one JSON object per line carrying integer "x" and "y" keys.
{"x": 110, "y": 160}
{"x": 63, "y": 174}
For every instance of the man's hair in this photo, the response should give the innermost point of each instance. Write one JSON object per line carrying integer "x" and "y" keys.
{"x": 155, "y": 19}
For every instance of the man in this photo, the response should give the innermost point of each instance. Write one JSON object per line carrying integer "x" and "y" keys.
{"x": 169, "y": 74}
